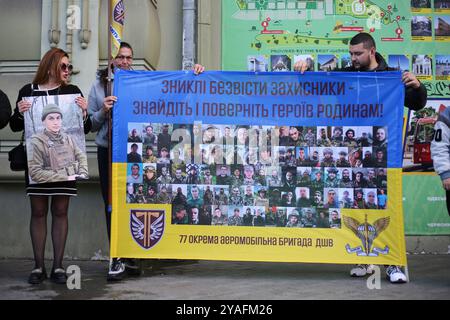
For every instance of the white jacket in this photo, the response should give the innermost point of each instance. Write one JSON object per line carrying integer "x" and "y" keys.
{"x": 440, "y": 146}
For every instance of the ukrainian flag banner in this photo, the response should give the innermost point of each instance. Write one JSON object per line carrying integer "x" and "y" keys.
{"x": 116, "y": 27}
{"x": 270, "y": 166}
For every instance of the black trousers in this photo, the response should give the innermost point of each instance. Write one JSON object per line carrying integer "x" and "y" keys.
{"x": 103, "y": 170}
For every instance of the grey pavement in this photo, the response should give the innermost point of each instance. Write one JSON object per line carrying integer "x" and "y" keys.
{"x": 221, "y": 280}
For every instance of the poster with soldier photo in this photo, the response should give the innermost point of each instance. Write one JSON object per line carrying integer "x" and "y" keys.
{"x": 55, "y": 140}
{"x": 304, "y": 178}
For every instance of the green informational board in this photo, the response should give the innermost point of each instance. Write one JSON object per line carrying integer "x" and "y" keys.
{"x": 271, "y": 35}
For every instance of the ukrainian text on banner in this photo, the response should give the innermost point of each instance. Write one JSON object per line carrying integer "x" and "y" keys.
{"x": 258, "y": 166}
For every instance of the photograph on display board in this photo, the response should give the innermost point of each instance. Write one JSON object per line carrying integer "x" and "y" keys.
{"x": 419, "y": 134}
{"x": 442, "y": 28}
{"x": 55, "y": 140}
{"x": 443, "y": 67}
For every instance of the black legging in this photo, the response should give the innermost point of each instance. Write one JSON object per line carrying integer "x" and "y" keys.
{"x": 38, "y": 227}
{"x": 102, "y": 158}
{"x": 447, "y": 194}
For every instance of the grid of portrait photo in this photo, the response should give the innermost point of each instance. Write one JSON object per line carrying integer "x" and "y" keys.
{"x": 277, "y": 176}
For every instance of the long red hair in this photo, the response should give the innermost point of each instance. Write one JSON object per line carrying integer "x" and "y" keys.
{"x": 49, "y": 67}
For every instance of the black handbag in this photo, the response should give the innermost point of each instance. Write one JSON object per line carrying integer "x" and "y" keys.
{"x": 18, "y": 157}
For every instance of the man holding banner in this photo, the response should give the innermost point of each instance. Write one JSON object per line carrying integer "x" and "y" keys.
{"x": 364, "y": 57}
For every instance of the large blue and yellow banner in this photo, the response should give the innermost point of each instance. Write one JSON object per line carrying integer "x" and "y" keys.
{"x": 272, "y": 166}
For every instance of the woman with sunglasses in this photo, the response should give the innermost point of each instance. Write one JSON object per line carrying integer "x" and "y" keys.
{"x": 52, "y": 78}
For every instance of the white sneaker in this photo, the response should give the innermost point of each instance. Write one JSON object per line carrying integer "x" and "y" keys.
{"x": 395, "y": 274}
{"x": 362, "y": 270}
{"x": 116, "y": 269}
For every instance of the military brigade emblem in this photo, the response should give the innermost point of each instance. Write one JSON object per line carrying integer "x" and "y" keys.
{"x": 147, "y": 227}
{"x": 367, "y": 233}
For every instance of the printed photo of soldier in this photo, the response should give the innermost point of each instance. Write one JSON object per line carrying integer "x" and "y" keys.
{"x": 179, "y": 176}
{"x": 149, "y": 138}
{"x": 323, "y": 220}
{"x": 382, "y": 198}
{"x": 327, "y": 158}
{"x": 303, "y": 197}
{"x": 219, "y": 215}
{"x": 164, "y": 136}
{"x": 273, "y": 177}
{"x": 309, "y": 218}
{"x": 342, "y": 160}
{"x": 248, "y": 198}
{"x": 302, "y": 156}
{"x": 381, "y": 177}
{"x": 293, "y": 218}
{"x": 335, "y": 218}
{"x": 180, "y": 194}
{"x": 134, "y": 132}
{"x": 317, "y": 179}
{"x": 208, "y": 196}
{"x": 346, "y": 180}
{"x": 195, "y": 195}
{"x": 149, "y": 154}
{"x": 274, "y": 196}
{"x": 193, "y": 174}
{"x": 332, "y": 178}
{"x": 332, "y": 198}
{"x": 259, "y": 217}
{"x": 350, "y": 137}
{"x": 223, "y": 174}
{"x": 337, "y": 137}
{"x": 283, "y": 135}
{"x": 249, "y": 175}
{"x": 289, "y": 177}
{"x": 314, "y": 157}
{"x": 180, "y": 214}
{"x": 164, "y": 194}
{"x": 134, "y": 152}
{"x": 358, "y": 202}
{"x": 235, "y": 216}
{"x": 355, "y": 157}
{"x": 371, "y": 198}
{"x": 194, "y": 215}
{"x": 261, "y": 199}
{"x": 163, "y": 173}
{"x": 237, "y": 175}
{"x": 288, "y": 198}
{"x": 295, "y": 136}
{"x": 131, "y": 197}
{"x": 280, "y": 216}
{"x": 151, "y": 195}
{"x": 309, "y": 136}
{"x": 317, "y": 200}
{"x": 380, "y": 137}
{"x": 323, "y": 139}
{"x": 134, "y": 173}
{"x": 364, "y": 136}
{"x": 380, "y": 160}
{"x": 164, "y": 156}
{"x": 289, "y": 157}
{"x": 367, "y": 160}
{"x": 177, "y": 158}
{"x": 346, "y": 198}
{"x": 260, "y": 178}
{"x": 280, "y": 152}
{"x": 372, "y": 181}
{"x": 150, "y": 176}
{"x": 235, "y": 198}
{"x": 205, "y": 215}
{"x": 359, "y": 178}
{"x": 221, "y": 195}
{"x": 303, "y": 176}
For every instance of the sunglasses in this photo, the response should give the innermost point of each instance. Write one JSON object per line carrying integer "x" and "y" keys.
{"x": 66, "y": 67}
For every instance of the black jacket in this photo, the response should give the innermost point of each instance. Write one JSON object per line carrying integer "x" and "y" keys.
{"x": 415, "y": 99}
{"x": 5, "y": 109}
